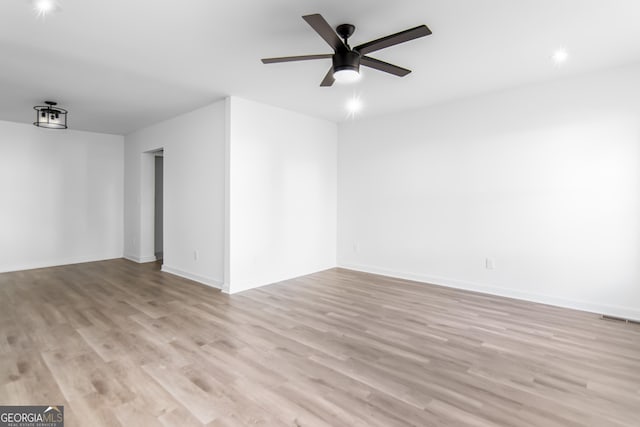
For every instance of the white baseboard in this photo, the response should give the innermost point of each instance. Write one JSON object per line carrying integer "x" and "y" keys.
{"x": 150, "y": 258}
{"x": 195, "y": 277}
{"x": 616, "y": 311}
{"x": 59, "y": 262}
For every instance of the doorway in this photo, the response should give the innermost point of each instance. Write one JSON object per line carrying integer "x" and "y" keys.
{"x": 158, "y": 205}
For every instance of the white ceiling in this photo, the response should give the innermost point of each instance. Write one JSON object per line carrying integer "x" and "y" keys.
{"x": 119, "y": 65}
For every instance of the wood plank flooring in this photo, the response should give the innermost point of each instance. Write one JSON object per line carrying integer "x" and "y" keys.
{"x": 122, "y": 344}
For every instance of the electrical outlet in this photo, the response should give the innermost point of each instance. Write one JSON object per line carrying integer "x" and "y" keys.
{"x": 196, "y": 255}
{"x": 490, "y": 263}
{"x": 356, "y": 247}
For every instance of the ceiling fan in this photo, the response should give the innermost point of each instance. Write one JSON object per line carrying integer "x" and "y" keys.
{"x": 347, "y": 60}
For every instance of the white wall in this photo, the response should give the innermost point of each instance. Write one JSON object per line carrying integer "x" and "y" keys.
{"x": 282, "y": 195}
{"x": 62, "y": 196}
{"x": 545, "y": 180}
{"x": 194, "y": 191}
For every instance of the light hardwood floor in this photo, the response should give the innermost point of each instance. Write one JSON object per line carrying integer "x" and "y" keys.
{"x": 122, "y": 344}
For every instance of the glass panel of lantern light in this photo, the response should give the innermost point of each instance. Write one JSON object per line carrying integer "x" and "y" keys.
{"x": 54, "y": 117}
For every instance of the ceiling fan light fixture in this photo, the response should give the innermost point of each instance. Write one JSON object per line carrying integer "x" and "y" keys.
{"x": 51, "y": 117}
{"x": 346, "y": 76}
{"x": 346, "y": 66}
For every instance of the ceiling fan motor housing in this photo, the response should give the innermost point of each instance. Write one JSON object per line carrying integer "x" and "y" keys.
{"x": 346, "y": 60}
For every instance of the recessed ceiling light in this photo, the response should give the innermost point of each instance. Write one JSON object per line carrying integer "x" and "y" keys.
{"x": 354, "y": 105}
{"x": 44, "y": 7}
{"x": 560, "y": 56}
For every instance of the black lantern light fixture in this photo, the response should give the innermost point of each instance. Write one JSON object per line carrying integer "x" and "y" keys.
{"x": 49, "y": 116}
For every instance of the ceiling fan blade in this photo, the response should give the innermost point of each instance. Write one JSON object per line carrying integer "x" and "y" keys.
{"x": 328, "y": 79}
{"x": 295, "y": 58}
{"x": 393, "y": 39}
{"x": 384, "y": 66}
{"x": 320, "y": 25}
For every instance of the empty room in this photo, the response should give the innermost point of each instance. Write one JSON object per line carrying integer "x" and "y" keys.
{"x": 319, "y": 213}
